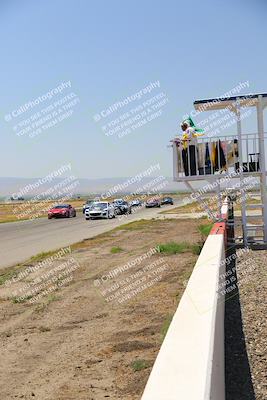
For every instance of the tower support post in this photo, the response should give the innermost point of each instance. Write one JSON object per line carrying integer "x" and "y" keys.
{"x": 241, "y": 174}
{"x": 262, "y": 163}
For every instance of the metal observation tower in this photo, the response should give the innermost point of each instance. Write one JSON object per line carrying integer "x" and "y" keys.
{"x": 236, "y": 161}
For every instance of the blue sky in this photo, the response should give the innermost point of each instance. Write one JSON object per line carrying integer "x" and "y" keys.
{"x": 110, "y": 50}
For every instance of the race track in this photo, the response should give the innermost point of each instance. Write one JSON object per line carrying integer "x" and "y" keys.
{"x": 21, "y": 240}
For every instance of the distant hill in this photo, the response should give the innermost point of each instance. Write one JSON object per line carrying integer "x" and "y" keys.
{"x": 13, "y": 185}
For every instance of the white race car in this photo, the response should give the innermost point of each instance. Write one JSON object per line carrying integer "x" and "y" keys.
{"x": 101, "y": 209}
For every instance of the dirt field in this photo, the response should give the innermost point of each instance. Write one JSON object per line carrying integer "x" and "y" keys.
{"x": 87, "y": 340}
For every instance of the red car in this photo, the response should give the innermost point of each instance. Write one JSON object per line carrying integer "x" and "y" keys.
{"x": 64, "y": 210}
{"x": 154, "y": 202}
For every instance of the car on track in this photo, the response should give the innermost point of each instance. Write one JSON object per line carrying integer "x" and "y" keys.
{"x": 154, "y": 202}
{"x": 100, "y": 209}
{"x": 62, "y": 211}
{"x": 118, "y": 201}
{"x": 122, "y": 207}
{"x": 167, "y": 200}
{"x": 136, "y": 203}
{"x": 88, "y": 204}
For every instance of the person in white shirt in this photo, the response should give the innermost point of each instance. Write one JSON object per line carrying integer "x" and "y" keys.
{"x": 189, "y": 152}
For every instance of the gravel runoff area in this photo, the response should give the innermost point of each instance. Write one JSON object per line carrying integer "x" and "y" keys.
{"x": 246, "y": 328}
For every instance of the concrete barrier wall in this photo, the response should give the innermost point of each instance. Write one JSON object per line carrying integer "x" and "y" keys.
{"x": 190, "y": 363}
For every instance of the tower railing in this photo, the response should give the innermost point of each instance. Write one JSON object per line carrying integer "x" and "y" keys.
{"x": 218, "y": 155}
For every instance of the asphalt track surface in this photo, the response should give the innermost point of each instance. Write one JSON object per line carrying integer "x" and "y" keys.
{"x": 21, "y": 240}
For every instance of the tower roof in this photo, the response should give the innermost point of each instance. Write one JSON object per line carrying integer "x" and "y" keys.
{"x": 247, "y": 100}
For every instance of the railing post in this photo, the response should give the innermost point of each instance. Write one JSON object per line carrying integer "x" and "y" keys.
{"x": 240, "y": 156}
{"x": 175, "y": 160}
{"x": 262, "y": 163}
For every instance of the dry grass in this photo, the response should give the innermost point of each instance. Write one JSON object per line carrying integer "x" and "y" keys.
{"x": 21, "y": 211}
{"x": 24, "y": 210}
{"x": 197, "y": 206}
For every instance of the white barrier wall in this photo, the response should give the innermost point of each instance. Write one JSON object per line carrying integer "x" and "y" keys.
{"x": 190, "y": 363}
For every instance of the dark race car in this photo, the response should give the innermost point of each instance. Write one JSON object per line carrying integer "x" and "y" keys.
{"x": 122, "y": 207}
{"x": 87, "y": 205}
{"x": 167, "y": 200}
